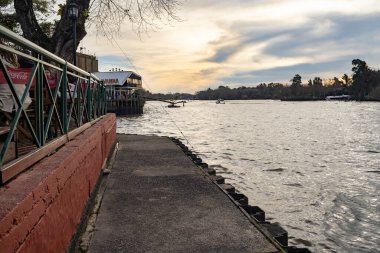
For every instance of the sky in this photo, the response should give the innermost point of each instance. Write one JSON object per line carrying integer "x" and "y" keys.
{"x": 246, "y": 42}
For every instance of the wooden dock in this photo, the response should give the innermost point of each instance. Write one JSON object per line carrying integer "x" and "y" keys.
{"x": 157, "y": 200}
{"x": 126, "y": 106}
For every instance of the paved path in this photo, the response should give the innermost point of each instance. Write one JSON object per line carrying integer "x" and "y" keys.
{"x": 157, "y": 200}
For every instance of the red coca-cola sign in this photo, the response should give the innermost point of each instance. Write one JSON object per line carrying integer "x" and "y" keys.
{"x": 22, "y": 75}
{"x": 17, "y": 75}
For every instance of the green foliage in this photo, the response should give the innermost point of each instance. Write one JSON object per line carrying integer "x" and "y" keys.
{"x": 361, "y": 79}
{"x": 60, "y": 9}
{"x": 317, "y": 82}
{"x": 7, "y": 16}
{"x": 43, "y": 10}
{"x": 296, "y": 85}
{"x": 47, "y": 28}
{"x": 296, "y": 80}
{"x": 9, "y": 21}
{"x": 346, "y": 80}
{"x": 262, "y": 91}
{"x": 5, "y": 3}
{"x": 337, "y": 82}
{"x": 359, "y": 67}
{"x": 85, "y": 13}
{"x": 42, "y": 5}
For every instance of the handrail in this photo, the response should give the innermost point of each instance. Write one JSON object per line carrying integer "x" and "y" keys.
{"x": 58, "y": 110}
{"x": 30, "y": 45}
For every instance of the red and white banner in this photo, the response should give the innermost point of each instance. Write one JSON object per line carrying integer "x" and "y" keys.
{"x": 17, "y": 75}
{"x": 21, "y": 76}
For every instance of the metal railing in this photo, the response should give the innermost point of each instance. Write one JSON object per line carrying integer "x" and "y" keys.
{"x": 57, "y": 101}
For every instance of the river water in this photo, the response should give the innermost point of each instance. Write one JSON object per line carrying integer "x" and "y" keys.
{"x": 314, "y": 167}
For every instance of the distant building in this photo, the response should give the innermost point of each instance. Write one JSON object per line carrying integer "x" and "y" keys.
{"x": 120, "y": 85}
{"x": 87, "y": 62}
{"x": 120, "y": 79}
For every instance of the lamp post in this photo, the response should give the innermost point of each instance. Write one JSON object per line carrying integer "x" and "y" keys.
{"x": 73, "y": 15}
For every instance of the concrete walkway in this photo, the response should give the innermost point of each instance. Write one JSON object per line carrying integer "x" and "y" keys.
{"x": 157, "y": 200}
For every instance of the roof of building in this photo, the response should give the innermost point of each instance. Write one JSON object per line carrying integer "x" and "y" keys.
{"x": 116, "y": 78}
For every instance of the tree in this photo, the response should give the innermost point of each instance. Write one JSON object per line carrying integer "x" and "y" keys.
{"x": 336, "y": 82}
{"x": 359, "y": 67}
{"x": 296, "y": 85}
{"x": 7, "y": 17}
{"x": 317, "y": 87}
{"x": 56, "y": 36}
{"x": 360, "y": 78}
{"x": 296, "y": 80}
{"x": 346, "y": 80}
{"x": 317, "y": 82}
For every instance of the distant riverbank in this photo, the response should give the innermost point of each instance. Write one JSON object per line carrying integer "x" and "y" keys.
{"x": 277, "y": 92}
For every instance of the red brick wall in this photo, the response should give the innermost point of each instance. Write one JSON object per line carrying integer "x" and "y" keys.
{"x": 41, "y": 208}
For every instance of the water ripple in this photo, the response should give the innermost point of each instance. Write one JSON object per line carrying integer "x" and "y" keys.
{"x": 312, "y": 166}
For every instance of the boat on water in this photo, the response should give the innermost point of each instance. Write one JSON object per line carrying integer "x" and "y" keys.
{"x": 175, "y": 104}
{"x": 220, "y": 101}
{"x": 340, "y": 97}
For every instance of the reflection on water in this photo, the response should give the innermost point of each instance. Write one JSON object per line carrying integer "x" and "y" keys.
{"x": 312, "y": 166}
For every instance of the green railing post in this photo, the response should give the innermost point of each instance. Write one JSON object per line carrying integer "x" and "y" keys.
{"x": 79, "y": 101}
{"x": 40, "y": 103}
{"x": 85, "y": 115}
{"x": 99, "y": 98}
{"x": 94, "y": 100}
{"x": 89, "y": 99}
{"x": 103, "y": 98}
{"x": 64, "y": 91}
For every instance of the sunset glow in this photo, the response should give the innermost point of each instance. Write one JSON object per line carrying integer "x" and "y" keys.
{"x": 239, "y": 43}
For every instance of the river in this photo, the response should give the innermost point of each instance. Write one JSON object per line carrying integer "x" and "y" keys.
{"x": 314, "y": 167}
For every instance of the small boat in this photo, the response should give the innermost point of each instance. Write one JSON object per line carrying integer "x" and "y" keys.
{"x": 340, "y": 97}
{"x": 220, "y": 101}
{"x": 174, "y": 104}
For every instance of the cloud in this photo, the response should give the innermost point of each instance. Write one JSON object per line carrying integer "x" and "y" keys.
{"x": 348, "y": 32}
{"x": 208, "y": 72}
{"x": 224, "y": 53}
{"x": 340, "y": 30}
{"x": 325, "y": 45}
{"x": 284, "y": 74}
{"x": 248, "y": 42}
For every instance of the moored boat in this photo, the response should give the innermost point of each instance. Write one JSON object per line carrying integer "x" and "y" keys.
{"x": 340, "y": 97}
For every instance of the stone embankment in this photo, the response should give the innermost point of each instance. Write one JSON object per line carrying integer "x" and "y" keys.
{"x": 254, "y": 213}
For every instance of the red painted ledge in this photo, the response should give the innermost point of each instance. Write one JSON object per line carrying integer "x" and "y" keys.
{"x": 41, "y": 208}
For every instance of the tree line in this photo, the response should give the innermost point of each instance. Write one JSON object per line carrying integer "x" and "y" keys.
{"x": 363, "y": 84}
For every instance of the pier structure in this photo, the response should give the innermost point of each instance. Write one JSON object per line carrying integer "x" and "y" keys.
{"x": 123, "y": 92}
